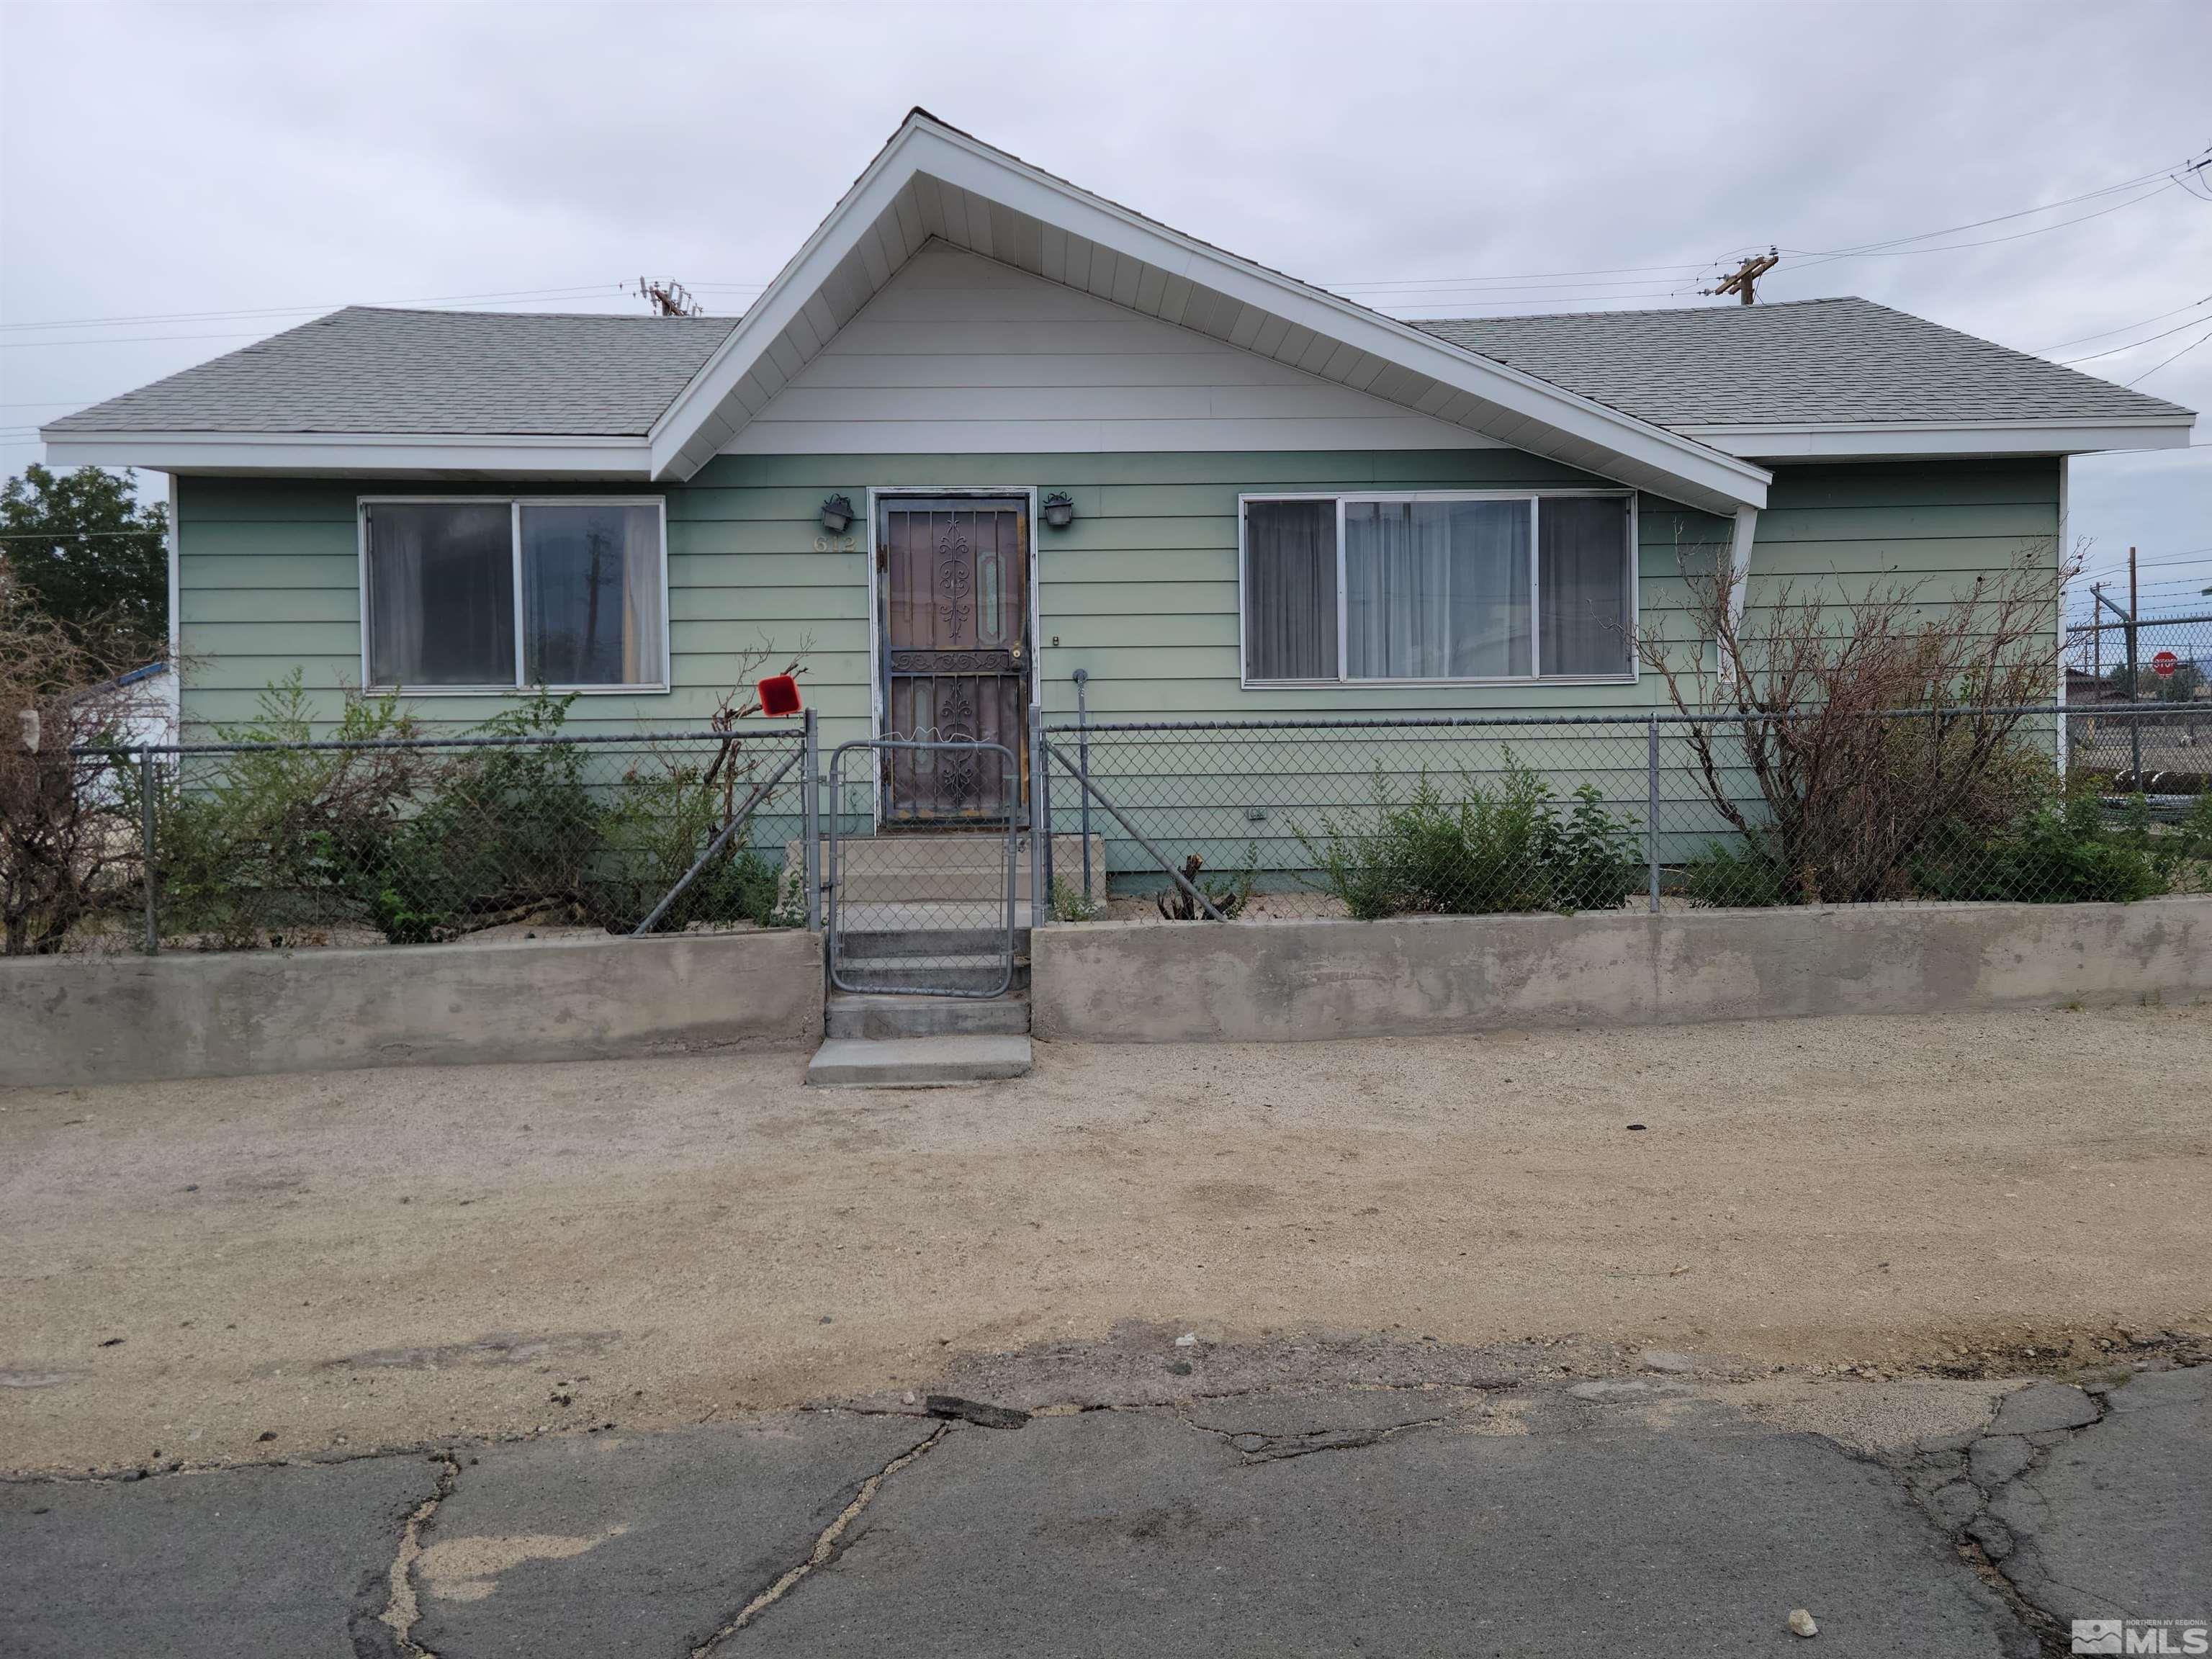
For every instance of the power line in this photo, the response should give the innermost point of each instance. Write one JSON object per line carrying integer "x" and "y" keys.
{"x": 74, "y": 535}
{"x": 2114, "y": 351}
{"x": 1993, "y": 219}
{"x": 1991, "y": 241}
{"x": 2176, "y": 357}
{"x": 2083, "y": 339}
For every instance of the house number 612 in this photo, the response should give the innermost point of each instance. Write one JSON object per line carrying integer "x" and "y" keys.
{"x": 836, "y": 544}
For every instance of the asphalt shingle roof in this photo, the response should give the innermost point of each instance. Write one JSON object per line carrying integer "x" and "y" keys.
{"x": 365, "y": 369}
{"x": 369, "y": 369}
{"x": 1802, "y": 360}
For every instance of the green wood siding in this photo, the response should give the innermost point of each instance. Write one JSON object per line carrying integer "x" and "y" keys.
{"x": 1141, "y": 590}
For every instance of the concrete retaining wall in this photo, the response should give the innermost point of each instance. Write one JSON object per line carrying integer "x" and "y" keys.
{"x": 1269, "y": 981}
{"x": 132, "y": 1019}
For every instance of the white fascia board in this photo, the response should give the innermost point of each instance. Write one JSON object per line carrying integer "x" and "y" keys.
{"x": 1869, "y": 440}
{"x": 955, "y": 159}
{"x": 352, "y": 453}
{"x": 795, "y": 286}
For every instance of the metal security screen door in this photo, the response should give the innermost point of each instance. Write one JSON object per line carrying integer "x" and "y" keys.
{"x": 953, "y": 588}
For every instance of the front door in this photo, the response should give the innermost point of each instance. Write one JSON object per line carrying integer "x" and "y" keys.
{"x": 953, "y": 585}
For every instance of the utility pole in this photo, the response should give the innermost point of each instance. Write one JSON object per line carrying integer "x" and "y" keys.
{"x": 669, "y": 298}
{"x": 2127, "y": 632}
{"x": 1743, "y": 281}
{"x": 2097, "y": 642}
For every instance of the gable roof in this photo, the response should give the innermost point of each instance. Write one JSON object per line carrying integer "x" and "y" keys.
{"x": 933, "y": 180}
{"x": 1677, "y": 402}
{"x": 365, "y": 369}
{"x": 1802, "y": 362}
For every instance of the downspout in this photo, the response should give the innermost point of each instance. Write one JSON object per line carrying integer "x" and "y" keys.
{"x": 175, "y": 626}
{"x": 2060, "y": 607}
{"x": 1746, "y": 526}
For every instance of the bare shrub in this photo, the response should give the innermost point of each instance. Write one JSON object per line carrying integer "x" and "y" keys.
{"x": 68, "y": 837}
{"x": 1800, "y": 707}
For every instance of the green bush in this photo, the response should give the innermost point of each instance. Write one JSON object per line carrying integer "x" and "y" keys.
{"x": 1069, "y": 904}
{"x": 261, "y": 839}
{"x": 502, "y": 831}
{"x": 1487, "y": 852}
{"x": 2059, "y": 853}
{"x": 1724, "y": 878}
{"x": 654, "y": 830}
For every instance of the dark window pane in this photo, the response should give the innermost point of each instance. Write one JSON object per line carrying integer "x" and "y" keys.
{"x": 1582, "y": 585}
{"x": 591, "y": 595}
{"x": 441, "y": 594}
{"x": 1290, "y": 590}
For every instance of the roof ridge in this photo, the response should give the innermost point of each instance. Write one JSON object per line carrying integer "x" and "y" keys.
{"x": 553, "y": 316}
{"x": 1657, "y": 311}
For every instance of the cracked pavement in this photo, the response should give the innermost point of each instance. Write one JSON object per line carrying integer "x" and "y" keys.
{"x": 1486, "y": 1504}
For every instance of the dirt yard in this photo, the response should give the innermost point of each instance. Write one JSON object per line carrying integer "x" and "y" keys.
{"x": 278, "y": 1265}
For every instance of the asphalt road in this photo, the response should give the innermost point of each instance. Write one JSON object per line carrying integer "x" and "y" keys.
{"x": 1647, "y": 1514}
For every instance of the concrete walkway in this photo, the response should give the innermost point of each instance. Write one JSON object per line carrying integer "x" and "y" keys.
{"x": 1646, "y": 1513}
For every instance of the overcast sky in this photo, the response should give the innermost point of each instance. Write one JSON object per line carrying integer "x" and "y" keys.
{"x": 160, "y": 164}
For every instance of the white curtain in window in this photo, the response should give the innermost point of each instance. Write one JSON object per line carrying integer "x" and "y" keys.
{"x": 1436, "y": 590}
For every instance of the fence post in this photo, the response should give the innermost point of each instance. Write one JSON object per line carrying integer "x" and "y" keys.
{"x": 1652, "y": 803}
{"x": 1040, "y": 832}
{"x": 1043, "y": 773}
{"x": 146, "y": 861}
{"x": 810, "y": 819}
{"x": 1083, "y": 766}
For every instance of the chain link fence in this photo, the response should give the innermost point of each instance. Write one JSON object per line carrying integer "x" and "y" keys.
{"x": 1374, "y": 817}
{"x": 2164, "y": 661}
{"x": 237, "y": 845}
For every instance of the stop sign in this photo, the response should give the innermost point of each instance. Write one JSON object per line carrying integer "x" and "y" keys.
{"x": 2164, "y": 664}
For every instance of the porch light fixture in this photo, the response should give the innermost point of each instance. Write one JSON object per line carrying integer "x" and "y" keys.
{"x": 1059, "y": 510}
{"x": 837, "y": 515}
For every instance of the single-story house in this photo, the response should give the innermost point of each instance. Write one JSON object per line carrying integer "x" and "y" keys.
{"x": 1069, "y": 437}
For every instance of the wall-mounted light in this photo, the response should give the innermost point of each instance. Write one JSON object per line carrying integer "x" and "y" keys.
{"x": 837, "y": 515}
{"x": 1059, "y": 510}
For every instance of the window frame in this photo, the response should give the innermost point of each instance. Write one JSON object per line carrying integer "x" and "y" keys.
{"x": 1534, "y": 496}
{"x": 514, "y": 504}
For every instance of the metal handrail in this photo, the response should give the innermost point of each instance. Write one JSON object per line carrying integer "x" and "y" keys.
{"x": 738, "y": 821}
{"x": 1136, "y": 834}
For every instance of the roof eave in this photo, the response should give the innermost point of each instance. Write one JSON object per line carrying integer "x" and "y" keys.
{"x": 357, "y": 454}
{"x": 1938, "y": 440}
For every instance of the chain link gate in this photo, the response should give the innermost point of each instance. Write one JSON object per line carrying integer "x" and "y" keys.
{"x": 922, "y": 914}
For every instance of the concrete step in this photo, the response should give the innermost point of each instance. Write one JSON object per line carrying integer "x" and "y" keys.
{"x": 921, "y": 1063}
{"x": 932, "y": 971}
{"x": 969, "y": 915}
{"x": 858, "y": 1014}
{"x": 936, "y": 867}
{"x": 854, "y": 943}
